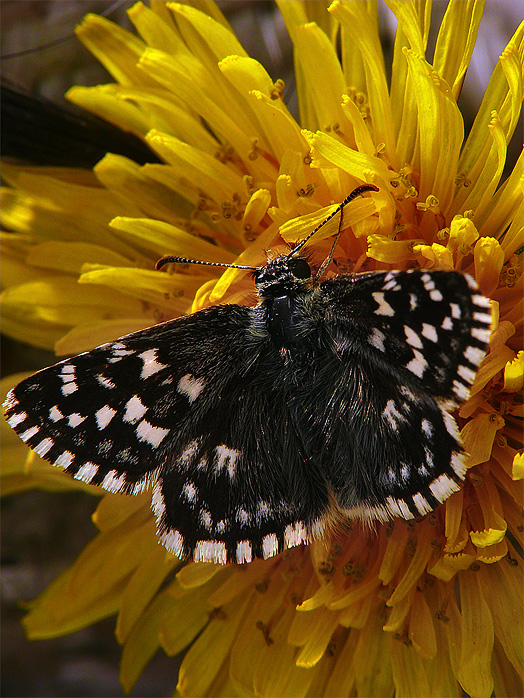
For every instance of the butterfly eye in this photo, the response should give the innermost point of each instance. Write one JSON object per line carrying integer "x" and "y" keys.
{"x": 300, "y": 268}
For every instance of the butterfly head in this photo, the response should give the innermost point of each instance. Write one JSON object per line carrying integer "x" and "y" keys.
{"x": 282, "y": 276}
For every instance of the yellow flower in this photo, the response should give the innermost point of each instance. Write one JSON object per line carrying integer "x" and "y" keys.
{"x": 431, "y": 607}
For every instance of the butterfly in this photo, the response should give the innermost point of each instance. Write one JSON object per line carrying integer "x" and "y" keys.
{"x": 261, "y": 428}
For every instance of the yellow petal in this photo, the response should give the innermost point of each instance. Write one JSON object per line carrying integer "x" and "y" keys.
{"x": 493, "y": 553}
{"x": 494, "y": 524}
{"x": 143, "y": 640}
{"x": 489, "y": 258}
{"x": 474, "y": 671}
{"x": 447, "y": 566}
{"x": 358, "y": 25}
{"x": 514, "y": 373}
{"x": 327, "y": 151}
{"x": 421, "y": 629}
{"x": 91, "y": 334}
{"x": 91, "y": 589}
{"x": 318, "y": 60}
{"x": 437, "y": 255}
{"x": 456, "y": 41}
{"x": 462, "y": 235}
{"x": 206, "y": 38}
{"x": 506, "y": 607}
{"x": 205, "y": 171}
{"x": 455, "y": 529}
{"x": 142, "y": 587}
{"x": 285, "y": 677}
{"x": 518, "y": 466}
{"x": 372, "y": 660}
{"x": 117, "y": 49}
{"x": 204, "y": 658}
{"x": 423, "y": 552}
{"x": 409, "y": 672}
{"x": 317, "y": 639}
{"x": 440, "y": 131}
{"x": 105, "y": 102}
{"x": 391, "y": 251}
{"x": 478, "y": 436}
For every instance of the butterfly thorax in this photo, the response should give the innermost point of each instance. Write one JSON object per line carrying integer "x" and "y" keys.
{"x": 281, "y": 284}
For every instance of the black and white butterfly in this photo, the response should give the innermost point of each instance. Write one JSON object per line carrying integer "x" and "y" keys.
{"x": 260, "y": 427}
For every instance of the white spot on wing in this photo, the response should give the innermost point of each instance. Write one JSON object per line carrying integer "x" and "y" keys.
{"x": 384, "y": 307}
{"x": 151, "y": 365}
{"x": 151, "y": 434}
{"x": 451, "y": 425}
{"x": 54, "y": 414}
{"x": 427, "y": 428}
{"x": 456, "y": 312}
{"x": 482, "y": 317}
{"x": 263, "y": 511}
{"x": 190, "y": 492}
{"x": 392, "y": 415}
{"x": 205, "y": 520}
{"x": 174, "y": 542}
{"x": 474, "y": 355}
{"x": 466, "y": 374}
{"x": 447, "y": 323}
{"x": 86, "y": 472}
{"x": 421, "y": 503}
{"x": 460, "y": 390}
{"x": 65, "y": 459}
{"x": 377, "y": 339}
{"x": 428, "y": 282}
{"x": 481, "y": 335}
{"x": 113, "y": 482}
{"x": 135, "y": 410}
{"x": 104, "y": 415}
{"x": 210, "y": 551}
{"x": 74, "y": 420}
{"x": 412, "y": 337}
{"x": 44, "y": 447}
{"x": 188, "y": 454}
{"x": 67, "y": 368}
{"x": 157, "y": 502}
{"x": 242, "y": 517}
{"x": 458, "y": 465}
{"x": 295, "y": 534}
{"x": 269, "y": 545}
{"x": 442, "y": 487}
{"x": 429, "y": 332}
{"x": 226, "y": 458}
{"x": 418, "y": 364}
{"x": 481, "y": 301}
{"x": 190, "y": 387}
{"x": 105, "y": 382}
{"x": 69, "y": 388}
{"x": 29, "y": 433}
{"x": 435, "y": 295}
{"x": 398, "y": 507}
{"x": 244, "y": 552}
{"x": 15, "y": 419}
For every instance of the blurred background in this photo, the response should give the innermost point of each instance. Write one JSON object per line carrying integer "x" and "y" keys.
{"x": 42, "y": 533}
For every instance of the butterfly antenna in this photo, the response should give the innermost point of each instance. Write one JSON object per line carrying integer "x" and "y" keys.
{"x": 183, "y": 260}
{"x": 356, "y": 192}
